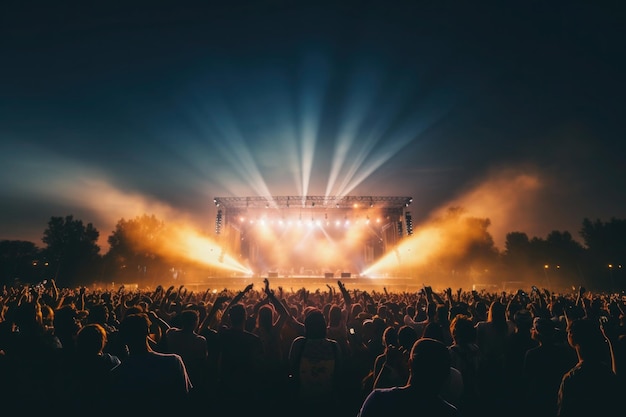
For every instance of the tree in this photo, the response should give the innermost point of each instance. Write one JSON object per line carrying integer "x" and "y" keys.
{"x": 135, "y": 248}
{"x": 20, "y": 260}
{"x": 72, "y": 250}
{"x": 606, "y": 247}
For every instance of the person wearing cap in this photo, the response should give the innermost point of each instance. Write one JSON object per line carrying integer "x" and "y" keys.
{"x": 429, "y": 369}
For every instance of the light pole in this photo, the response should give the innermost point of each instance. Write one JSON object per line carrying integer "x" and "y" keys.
{"x": 611, "y": 275}
{"x": 545, "y": 273}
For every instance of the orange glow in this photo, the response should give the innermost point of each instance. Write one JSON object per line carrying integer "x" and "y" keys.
{"x": 508, "y": 198}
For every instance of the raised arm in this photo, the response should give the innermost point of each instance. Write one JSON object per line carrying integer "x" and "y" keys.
{"x": 217, "y": 304}
{"x": 236, "y": 299}
{"x": 283, "y": 313}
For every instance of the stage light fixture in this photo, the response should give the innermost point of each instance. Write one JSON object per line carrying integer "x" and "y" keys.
{"x": 218, "y": 222}
{"x": 409, "y": 223}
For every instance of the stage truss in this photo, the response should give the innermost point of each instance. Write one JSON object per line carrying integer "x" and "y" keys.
{"x": 385, "y": 219}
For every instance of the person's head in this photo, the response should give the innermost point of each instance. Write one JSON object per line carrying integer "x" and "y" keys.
{"x": 462, "y": 329}
{"x": 441, "y": 315}
{"x": 315, "y": 325}
{"x": 237, "y": 315}
{"x": 326, "y": 310}
{"x": 556, "y": 307}
{"x": 481, "y": 310}
{"x": 379, "y": 327}
{"x": 66, "y": 322}
{"x": 390, "y": 336}
{"x": 497, "y": 312}
{"x": 407, "y": 336}
{"x": 543, "y": 330}
{"x": 133, "y": 310}
{"x": 586, "y": 337}
{"x": 91, "y": 340}
{"x": 356, "y": 309}
{"x": 334, "y": 316}
{"x": 265, "y": 316}
{"x": 381, "y": 311}
{"x": 523, "y": 320}
{"x": 189, "y": 319}
{"x": 410, "y": 311}
{"x": 430, "y": 366}
{"x": 98, "y": 313}
{"x": 134, "y": 330}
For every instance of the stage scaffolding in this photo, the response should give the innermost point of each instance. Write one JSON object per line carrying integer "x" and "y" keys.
{"x": 387, "y": 217}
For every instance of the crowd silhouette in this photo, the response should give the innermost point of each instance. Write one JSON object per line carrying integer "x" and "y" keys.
{"x": 334, "y": 351}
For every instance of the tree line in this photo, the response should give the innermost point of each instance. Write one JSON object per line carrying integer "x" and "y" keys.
{"x": 71, "y": 255}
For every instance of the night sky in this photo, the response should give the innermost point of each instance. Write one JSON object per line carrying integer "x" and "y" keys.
{"x": 513, "y": 110}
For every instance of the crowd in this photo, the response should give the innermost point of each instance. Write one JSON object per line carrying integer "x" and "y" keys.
{"x": 334, "y": 351}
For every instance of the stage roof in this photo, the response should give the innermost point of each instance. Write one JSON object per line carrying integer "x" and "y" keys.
{"x": 312, "y": 202}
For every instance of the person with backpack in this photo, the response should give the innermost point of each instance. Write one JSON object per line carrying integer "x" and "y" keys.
{"x": 315, "y": 364}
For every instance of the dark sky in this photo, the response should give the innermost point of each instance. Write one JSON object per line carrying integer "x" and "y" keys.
{"x": 514, "y": 110}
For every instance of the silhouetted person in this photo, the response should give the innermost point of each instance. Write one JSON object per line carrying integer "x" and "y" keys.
{"x": 89, "y": 373}
{"x": 591, "y": 387}
{"x": 544, "y": 367}
{"x": 464, "y": 355}
{"x": 239, "y": 363}
{"x": 191, "y": 346}
{"x": 518, "y": 343}
{"x": 429, "y": 366}
{"x": 316, "y": 365}
{"x": 491, "y": 338}
{"x": 148, "y": 381}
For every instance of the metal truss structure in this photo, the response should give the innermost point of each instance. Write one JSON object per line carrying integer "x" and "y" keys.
{"x": 311, "y": 202}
